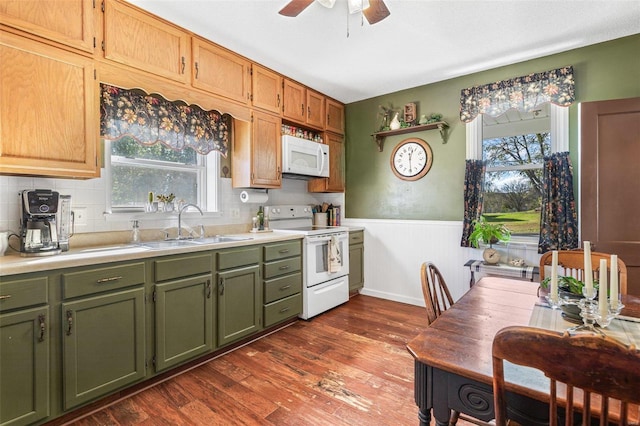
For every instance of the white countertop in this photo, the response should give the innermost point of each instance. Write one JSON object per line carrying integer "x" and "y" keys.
{"x": 12, "y": 263}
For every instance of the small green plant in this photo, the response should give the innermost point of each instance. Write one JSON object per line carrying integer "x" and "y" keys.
{"x": 568, "y": 284}
{"x": 488, "y": 233}
{"x": 166, "y": 198}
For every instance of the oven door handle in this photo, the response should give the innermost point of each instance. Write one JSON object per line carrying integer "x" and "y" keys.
{"x": 324, "y": 238}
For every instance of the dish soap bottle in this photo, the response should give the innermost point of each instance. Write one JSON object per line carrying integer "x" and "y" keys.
{"x": 135, "y": 233}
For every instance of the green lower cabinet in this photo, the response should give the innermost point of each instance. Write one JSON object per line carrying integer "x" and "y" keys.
{"x": 239, "y": 303}
{"x": 103, "y": 340}
{"x": 356, "y": 261}
{"x": 24, "y": 366}
{"x": 183, "y": 320}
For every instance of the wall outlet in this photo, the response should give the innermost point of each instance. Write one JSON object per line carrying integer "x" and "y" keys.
{"x": 235, "y": 212}
{"x": 80, "y": 216}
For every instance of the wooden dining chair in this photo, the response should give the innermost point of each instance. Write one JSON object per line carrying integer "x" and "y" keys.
{"x": 437, "y": 297}
{"x": 601, "y": 369}
{"x": 571, "y": 263}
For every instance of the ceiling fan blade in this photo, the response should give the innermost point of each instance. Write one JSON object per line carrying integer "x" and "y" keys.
{"x": 376, "y": 12}
{"x": 294, "y": 7}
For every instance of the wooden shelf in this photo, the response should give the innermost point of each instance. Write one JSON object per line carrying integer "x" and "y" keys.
{"x": 442, "y": 126}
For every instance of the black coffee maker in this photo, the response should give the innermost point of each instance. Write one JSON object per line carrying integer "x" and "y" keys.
{"x": 38, "y": 230}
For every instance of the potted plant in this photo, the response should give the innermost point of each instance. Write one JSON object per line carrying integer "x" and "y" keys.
{"x": 489, "y": 233}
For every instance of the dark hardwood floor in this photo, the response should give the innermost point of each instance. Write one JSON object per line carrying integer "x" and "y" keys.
{"x": 348, "y": 366}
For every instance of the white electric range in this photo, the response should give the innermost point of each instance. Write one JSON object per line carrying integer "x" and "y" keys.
{"x": 325, "y": 282}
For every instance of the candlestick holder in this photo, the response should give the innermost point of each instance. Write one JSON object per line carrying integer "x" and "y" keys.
{"x": 588, "y": 312}
{"x": 613, "y": 310}
{"x": 554, "y": 303}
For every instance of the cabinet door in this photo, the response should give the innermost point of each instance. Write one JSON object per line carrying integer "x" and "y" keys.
{"x": 315, "y": 109}
{"x": 49, "y": 112}
{"x": 294, "y": 99}
{"x": 24, "y": 366}
{"x": 220, "y": 72}
{"x": 69, "y": 22}
{"x": 356, "y": 267}
{"x": 137, "y": 39}
{"x": 335, "y": 117}
{"x": 239, "y": 303}
{"x": 266, "y": 151}
{"x": 184, "y": 320}
{"x": 103, "y": 345}
{"x": 266, "y": 90}
{"x": 335, "y": 181}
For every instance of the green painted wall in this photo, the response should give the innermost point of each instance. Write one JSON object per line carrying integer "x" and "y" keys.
{"x": 608, "y": 70}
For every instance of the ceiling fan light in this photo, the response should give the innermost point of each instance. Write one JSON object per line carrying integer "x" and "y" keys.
{"x": 327, "y": 3}
{"x": 356, "y": 6}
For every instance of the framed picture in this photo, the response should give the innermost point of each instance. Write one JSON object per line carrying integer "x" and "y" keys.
{"x": 410, "y": 112}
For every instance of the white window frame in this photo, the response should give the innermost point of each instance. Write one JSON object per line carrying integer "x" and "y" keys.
{"x": 208, "y": 179}
{"x": 559, "y": 128}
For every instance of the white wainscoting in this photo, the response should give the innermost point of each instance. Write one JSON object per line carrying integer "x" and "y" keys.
{"x": 395, "y": 249}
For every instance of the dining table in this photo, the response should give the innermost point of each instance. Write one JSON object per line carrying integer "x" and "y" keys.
{"x": 453, "y": 360}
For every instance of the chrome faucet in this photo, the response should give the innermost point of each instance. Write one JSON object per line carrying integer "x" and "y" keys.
{"x": 180, "y": 217}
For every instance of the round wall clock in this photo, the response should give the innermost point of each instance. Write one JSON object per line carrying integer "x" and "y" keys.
{"x": 411, "y": 159}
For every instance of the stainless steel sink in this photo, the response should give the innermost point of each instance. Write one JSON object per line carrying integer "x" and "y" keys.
{"x": 167, "y": 244}
{"x": 219, "y": 239}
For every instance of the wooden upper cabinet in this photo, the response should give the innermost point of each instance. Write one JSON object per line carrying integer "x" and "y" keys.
{"x": 335, "y": 117}
{"x": 140, "y": 40}
{"x": 336, "y": 180}
{"x": 220, "y": 71}
{"x": 70, "y": 22}
{"x": 315, "y": 109}
{"x": 294, "y": 107}
{"x": 257, "y": 154}
{"x": 266, "y": 88}
{"x": 49, "y": 110}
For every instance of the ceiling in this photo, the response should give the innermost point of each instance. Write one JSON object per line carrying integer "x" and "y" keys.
{"x": 421, "y": 42}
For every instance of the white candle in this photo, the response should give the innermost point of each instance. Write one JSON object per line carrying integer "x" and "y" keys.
{"x": 554, "y": 275}
{"x": 614, "y": 281}
{"x": 602, "y": 289}
{"x": 588, "y": 271}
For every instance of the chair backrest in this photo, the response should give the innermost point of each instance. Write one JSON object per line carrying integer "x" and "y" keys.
{"x": 606, "y": 372}
{"x": 435, "y": 291}
{"x": 571, "y": 263}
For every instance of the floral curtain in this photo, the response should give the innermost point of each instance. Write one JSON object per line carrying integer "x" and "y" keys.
{"x": 524, "y": 93}
{"x": 150, "y": 119}
{"x": 473, "y": 190}
{"x": 558, "y": 220}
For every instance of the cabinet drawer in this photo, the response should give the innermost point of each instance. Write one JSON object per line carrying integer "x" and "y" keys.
{"x": 281, "y": 251}
{"x": 182, "y": 266}
{"x": 356, "y": 237}
{"x": 238, "y": 257}
{"x": 281, "y": 267}
{"x": 282, "y": 287}
{"x": 97, "y": 280}
{"x": 282, "y": 309}
{"x": 23, "y": 293}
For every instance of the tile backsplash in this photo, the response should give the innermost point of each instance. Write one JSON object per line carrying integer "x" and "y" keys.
{"x": 88, "y": 196}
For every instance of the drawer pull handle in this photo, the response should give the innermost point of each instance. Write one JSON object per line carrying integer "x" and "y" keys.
{"x": 5, "y": 296}
{"x": 284, "y": 267}
{"x": 208, "y": 289}
{"x": 283, "y": 310}
{"x": 107, "y": 280}
{"x": 42, "y": 327}
{"x": 69, "y": 322}
{"x": 283, "y": 251}
{"x": 285, "y": 287}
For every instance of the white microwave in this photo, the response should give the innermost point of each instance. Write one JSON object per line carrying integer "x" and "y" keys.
{"x": 304, "y": 159}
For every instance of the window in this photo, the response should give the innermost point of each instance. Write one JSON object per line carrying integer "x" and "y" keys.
{"x": 134, "y": 170}
{"x": 513, "y": 146}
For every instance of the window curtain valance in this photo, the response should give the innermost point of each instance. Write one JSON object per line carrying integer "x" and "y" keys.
{"x": 522, "y": 93}
{"x": 151, "y": 119}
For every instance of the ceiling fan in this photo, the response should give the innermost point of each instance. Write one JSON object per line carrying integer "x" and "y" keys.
{"x": 374, "y": 10}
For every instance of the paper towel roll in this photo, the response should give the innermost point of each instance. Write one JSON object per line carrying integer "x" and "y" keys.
{"x": 254, "y": 197}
